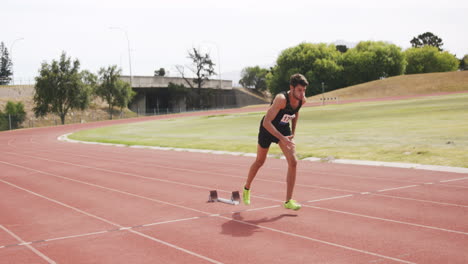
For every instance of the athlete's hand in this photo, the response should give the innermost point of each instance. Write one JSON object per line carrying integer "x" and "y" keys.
{"x": 289, "y": 142}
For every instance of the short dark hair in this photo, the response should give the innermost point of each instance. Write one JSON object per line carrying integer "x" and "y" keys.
{"x": 297, "y": 79}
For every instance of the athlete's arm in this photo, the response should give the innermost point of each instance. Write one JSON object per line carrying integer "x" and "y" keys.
{"x": 278, "y": 103}
{"x": 294, "y": 121}
{"x": 293, "y": 124}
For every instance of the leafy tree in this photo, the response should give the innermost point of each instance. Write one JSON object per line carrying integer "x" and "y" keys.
{"x": 60, "y": 87}
{"x": 160, "y": 72}
{"x": 203, "y": 68}
{"x": 372, "y": 60}
{"x": 5, "y": 65}
{"x": 112, "y": 89}
{"x": 176, "y": 92}
{"x": 430, "y": 59}
{"x": 317, "y": 62}
{"x": 16, "y": 112}
{"x": 3, "y": 122}
{"x": 254, "y": 77}
{"x": 427, "y": 39}
{"x": 464, "y": 63}
{"x": 341, "y": 48}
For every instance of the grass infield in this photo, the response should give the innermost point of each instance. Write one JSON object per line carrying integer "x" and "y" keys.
{"x": 431, "y": 130}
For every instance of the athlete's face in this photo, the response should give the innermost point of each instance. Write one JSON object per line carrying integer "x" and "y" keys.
{"x": 299, "y": 92}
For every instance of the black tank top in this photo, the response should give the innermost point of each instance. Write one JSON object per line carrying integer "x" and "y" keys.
{"x": 286, "y": 114}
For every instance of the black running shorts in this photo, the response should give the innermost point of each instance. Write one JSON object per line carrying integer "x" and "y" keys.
{"x": 265, "y": 138}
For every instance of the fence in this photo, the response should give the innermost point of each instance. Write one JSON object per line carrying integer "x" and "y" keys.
{"x": 9, "y": 122}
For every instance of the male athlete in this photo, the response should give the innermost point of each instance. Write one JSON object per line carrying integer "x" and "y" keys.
{"x": 274, "y": 127}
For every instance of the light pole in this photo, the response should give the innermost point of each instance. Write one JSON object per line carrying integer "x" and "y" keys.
{"x": 11, "y": 59}
{"x": 219, "y": 62}
{"x": 323, "y": 91}
{"x": 129, "y": 56}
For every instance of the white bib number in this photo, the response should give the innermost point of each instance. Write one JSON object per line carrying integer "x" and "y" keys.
{"x": 286, "y": 118}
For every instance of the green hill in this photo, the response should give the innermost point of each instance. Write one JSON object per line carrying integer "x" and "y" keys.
{"x": 403, "y": 85}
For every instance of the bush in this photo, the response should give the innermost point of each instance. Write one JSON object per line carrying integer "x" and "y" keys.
{"x": 317, "y": 62}
{"x": 372, "y": 60}
{"x": 429, "y": 59}
{"x": 15, "y": 112}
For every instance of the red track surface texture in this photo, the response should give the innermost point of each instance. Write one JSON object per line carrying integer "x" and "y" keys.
{"x": 78, "y": 203}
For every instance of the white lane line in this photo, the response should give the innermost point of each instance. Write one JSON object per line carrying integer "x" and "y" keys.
{"x": 105, "y": 231}
{"x": 423, "y": 201}
{"x": 452, "y": 180}
{"x": 398, "y": 188}
{"x": 331, "y": 198}
{"x": 387, "y": 220}
{"x": 176, "y": 169}
{"x": 115, "y": 224}
{"x": 144, "y": 225}
{"x": 218, "y": 215}
{"x": 258, "y": 209}
{"x": 173, "y": 221}
{"x": 37, "y": 252}
{"x": 159, "y": 201}
{"x": 121, "y": 173}
{"x": 76, "y": 236}
{"x": 102, "y": 187}
{"x": 319, "y": 241}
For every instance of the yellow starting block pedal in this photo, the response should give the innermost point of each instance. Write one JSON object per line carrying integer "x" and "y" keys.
{"x": 235, "y": 198}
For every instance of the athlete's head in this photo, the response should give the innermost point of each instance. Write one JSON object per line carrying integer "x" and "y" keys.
{"x": 298, "y": 79}
{"x": 298, "y": 84}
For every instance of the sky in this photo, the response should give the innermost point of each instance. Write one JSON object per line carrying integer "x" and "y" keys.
{"x": 236, "y": 34}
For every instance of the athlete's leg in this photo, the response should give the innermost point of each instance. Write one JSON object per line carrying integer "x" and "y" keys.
{"x": 256, "y": 165}
{"x": 290, "y": 154}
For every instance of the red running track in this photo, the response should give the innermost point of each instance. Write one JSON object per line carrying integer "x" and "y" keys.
{"x": 78, "y": 203}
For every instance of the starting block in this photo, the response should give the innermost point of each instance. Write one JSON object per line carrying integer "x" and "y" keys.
{"x": 235, "y": 198}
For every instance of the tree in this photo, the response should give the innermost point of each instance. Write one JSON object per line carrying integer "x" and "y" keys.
{"x": 341, "y": 48}
{"x": 372, "y": 60}
{"x": 160, "y": 72}
{"x": 60, "y": 87}
{"x": 203, "y": 68}
{"x": 112, "y": 89}
{"x": 5, "y": 65}
{"x": 15, "y": 112}
{"x": 427, "y": 39}
{"x": 317, "y": 62}
{"x": 3, "y": 121}
{"x": 254, "y": 77}
{"x": 430, "y": 59}
{"x": 464, "y": 63}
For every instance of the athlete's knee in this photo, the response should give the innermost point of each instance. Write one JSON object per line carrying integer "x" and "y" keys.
{"x": 259, "y": 162}
{"x": 292, "y": 162}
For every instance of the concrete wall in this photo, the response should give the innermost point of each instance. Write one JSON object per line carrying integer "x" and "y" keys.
{"x": 16, "y": 91}
{"x": 158, "y": 100}
{"x": 161, "y": 82}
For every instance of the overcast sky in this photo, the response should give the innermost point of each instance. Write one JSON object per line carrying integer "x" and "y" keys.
{"x": 237, "y": 33}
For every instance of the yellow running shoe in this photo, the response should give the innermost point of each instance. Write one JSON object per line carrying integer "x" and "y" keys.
{"x": 292, "y": 204}
{"x": 246, "y": 196}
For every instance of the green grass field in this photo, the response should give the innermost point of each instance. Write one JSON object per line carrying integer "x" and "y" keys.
{"x": 432, "y": 130}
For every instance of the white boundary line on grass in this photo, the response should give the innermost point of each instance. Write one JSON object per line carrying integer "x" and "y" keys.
{"x": 339, "y": 161}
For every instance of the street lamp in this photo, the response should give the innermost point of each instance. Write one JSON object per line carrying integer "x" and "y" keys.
{"x": 129, "y": 56}
{"x": 11, "y": 59}
{"x": 323, "y": 93}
